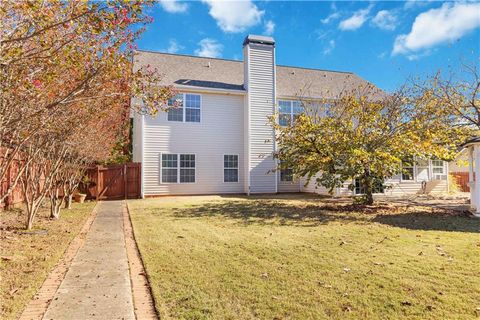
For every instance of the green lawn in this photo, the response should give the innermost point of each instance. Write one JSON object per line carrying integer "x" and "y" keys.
{"x": 303, "y": 257}
{"x": 26, "y": 259}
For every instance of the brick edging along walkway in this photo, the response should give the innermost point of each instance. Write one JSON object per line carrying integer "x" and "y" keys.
{"x": 36, "y": 308}
{"x": 144, "y": 305}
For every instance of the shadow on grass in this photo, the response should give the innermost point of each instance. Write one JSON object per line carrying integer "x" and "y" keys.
{"x": 311, "y": 211}
{"x": 430, "y": 221}
{"x": 266, "y": 212}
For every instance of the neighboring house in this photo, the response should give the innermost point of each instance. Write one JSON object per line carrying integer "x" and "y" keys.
{"x": 218, "y": 140}
{"x": 460, "y": 164}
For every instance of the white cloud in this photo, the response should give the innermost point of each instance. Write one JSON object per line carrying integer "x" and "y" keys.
{"x": 329, "y": 48}
{"x": 234, "y": 16}
{"x": 411, "y": 4}
{"x": 435, "y": 26}
{"x": 173, "y": 47}
{"x": 209, "y": 48}
{"x": 385, "y": 20}
{"x": 356, "y": 20}
{"x": 331, "y": 17}
{"x": 173, "y": 6}
{"x": 269, "y": 28}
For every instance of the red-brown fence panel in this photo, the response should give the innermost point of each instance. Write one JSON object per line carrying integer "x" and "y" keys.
{"x": 462, "y": 180}
{"x": 112, "y": 182}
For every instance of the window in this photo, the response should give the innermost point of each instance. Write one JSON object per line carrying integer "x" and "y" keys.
{"x": 378, "y": 186}
{"x": 407, "y": 170}
{"x": 286, "y": 174}
{"x": 176, "y": 111}
{"x": 437, "y": 167}
{"x": 422, "y": 170}
{"x": 288, "y": 111}
{"x": 174, "y": 170}
{"x": 192, "y": 108}
{"x": 187, "y": 168}
{"x": 186, "y": 108}
{"x": 230, "y": 168}
{"x": 169, "y": 168}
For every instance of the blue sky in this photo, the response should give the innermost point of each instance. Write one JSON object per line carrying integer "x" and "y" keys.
{"x": 383, "y": 42}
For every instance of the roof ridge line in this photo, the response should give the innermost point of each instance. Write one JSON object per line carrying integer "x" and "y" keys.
{"x": 231, "y": 60}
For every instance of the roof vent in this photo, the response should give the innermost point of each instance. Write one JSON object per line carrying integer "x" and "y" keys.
{"x": 208, "y": 65}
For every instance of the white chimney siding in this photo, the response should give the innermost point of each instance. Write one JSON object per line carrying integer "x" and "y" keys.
{"x": 259, "y": 60}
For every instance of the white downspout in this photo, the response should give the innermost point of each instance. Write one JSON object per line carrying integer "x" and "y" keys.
{"x": 477, "y": 179}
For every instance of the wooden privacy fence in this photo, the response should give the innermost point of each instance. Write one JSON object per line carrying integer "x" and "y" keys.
{"x": 114, "y": 182}
{"x": 462, "y": 180}
{"x": 16, "y": 196}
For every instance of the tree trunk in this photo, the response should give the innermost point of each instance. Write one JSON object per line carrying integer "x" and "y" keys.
{"x": 29, "y": 224}
{"x": 68, "y": 201}
{"x": 55, "y": 204}
{"x": 54, "y": 209}
{"x": 368, "y": 186}
{"x": 31, "y": 213}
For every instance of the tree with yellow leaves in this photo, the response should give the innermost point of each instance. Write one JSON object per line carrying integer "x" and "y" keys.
{"x": 364, "y": 135}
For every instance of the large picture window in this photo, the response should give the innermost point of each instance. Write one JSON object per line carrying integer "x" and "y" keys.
{"x": 178, "y": 168}
{"x": 288, "y": 111}
{"x": 185, "y": 107}
{"x": 230, "y": 168}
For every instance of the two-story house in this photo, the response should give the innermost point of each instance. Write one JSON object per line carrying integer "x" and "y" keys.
{"x": 218, "y": 140}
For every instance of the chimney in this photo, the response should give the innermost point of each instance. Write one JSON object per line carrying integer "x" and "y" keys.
{"x": 259, "y": 82}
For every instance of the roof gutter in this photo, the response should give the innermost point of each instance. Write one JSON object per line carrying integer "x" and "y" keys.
{"x": 210, "y": 90}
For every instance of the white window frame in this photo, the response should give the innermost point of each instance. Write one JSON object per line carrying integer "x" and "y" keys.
{"x": 178, "y": 168}
{"x": 361, "y": 194}
{"x": 238, "y": 167}
{"x": 291, "y": 113}
{"x": 434, "y": 175}
{"x": 184, "y": 108}
{"x": 286, "y": 181}
{"x": 414, "y": 173}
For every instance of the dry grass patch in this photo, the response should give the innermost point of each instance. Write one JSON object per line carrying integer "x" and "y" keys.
{"x": 305, "y": 257}
{"x": 26, "y": 258}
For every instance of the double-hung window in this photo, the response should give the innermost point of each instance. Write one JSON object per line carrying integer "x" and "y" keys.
{"x": 286, "y": 174}
{"x": 185, "y": 107}
{"x": 288, "y": 111}
{"x": 169, "y": 168}
{"x": 407, "y": 170}
{"x": 178, "y": 168}
{"x": 230, "y": 168}
{"x": 438, "y": 169}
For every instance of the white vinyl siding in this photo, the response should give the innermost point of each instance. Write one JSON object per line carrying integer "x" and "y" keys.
{"x": 261, "y": 105}
{"x": 220, "y": 132}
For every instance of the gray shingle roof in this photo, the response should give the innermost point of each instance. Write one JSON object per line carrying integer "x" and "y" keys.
{"x": 228, "y": 74}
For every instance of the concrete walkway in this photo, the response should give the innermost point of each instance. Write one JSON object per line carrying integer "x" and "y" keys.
{"x": 97, "y": 284}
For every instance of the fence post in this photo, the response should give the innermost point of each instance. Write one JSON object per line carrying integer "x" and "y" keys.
{"x": 98, "y": 183}
{"x": 125, "y": 180}
{"x": 8, "y": 199}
